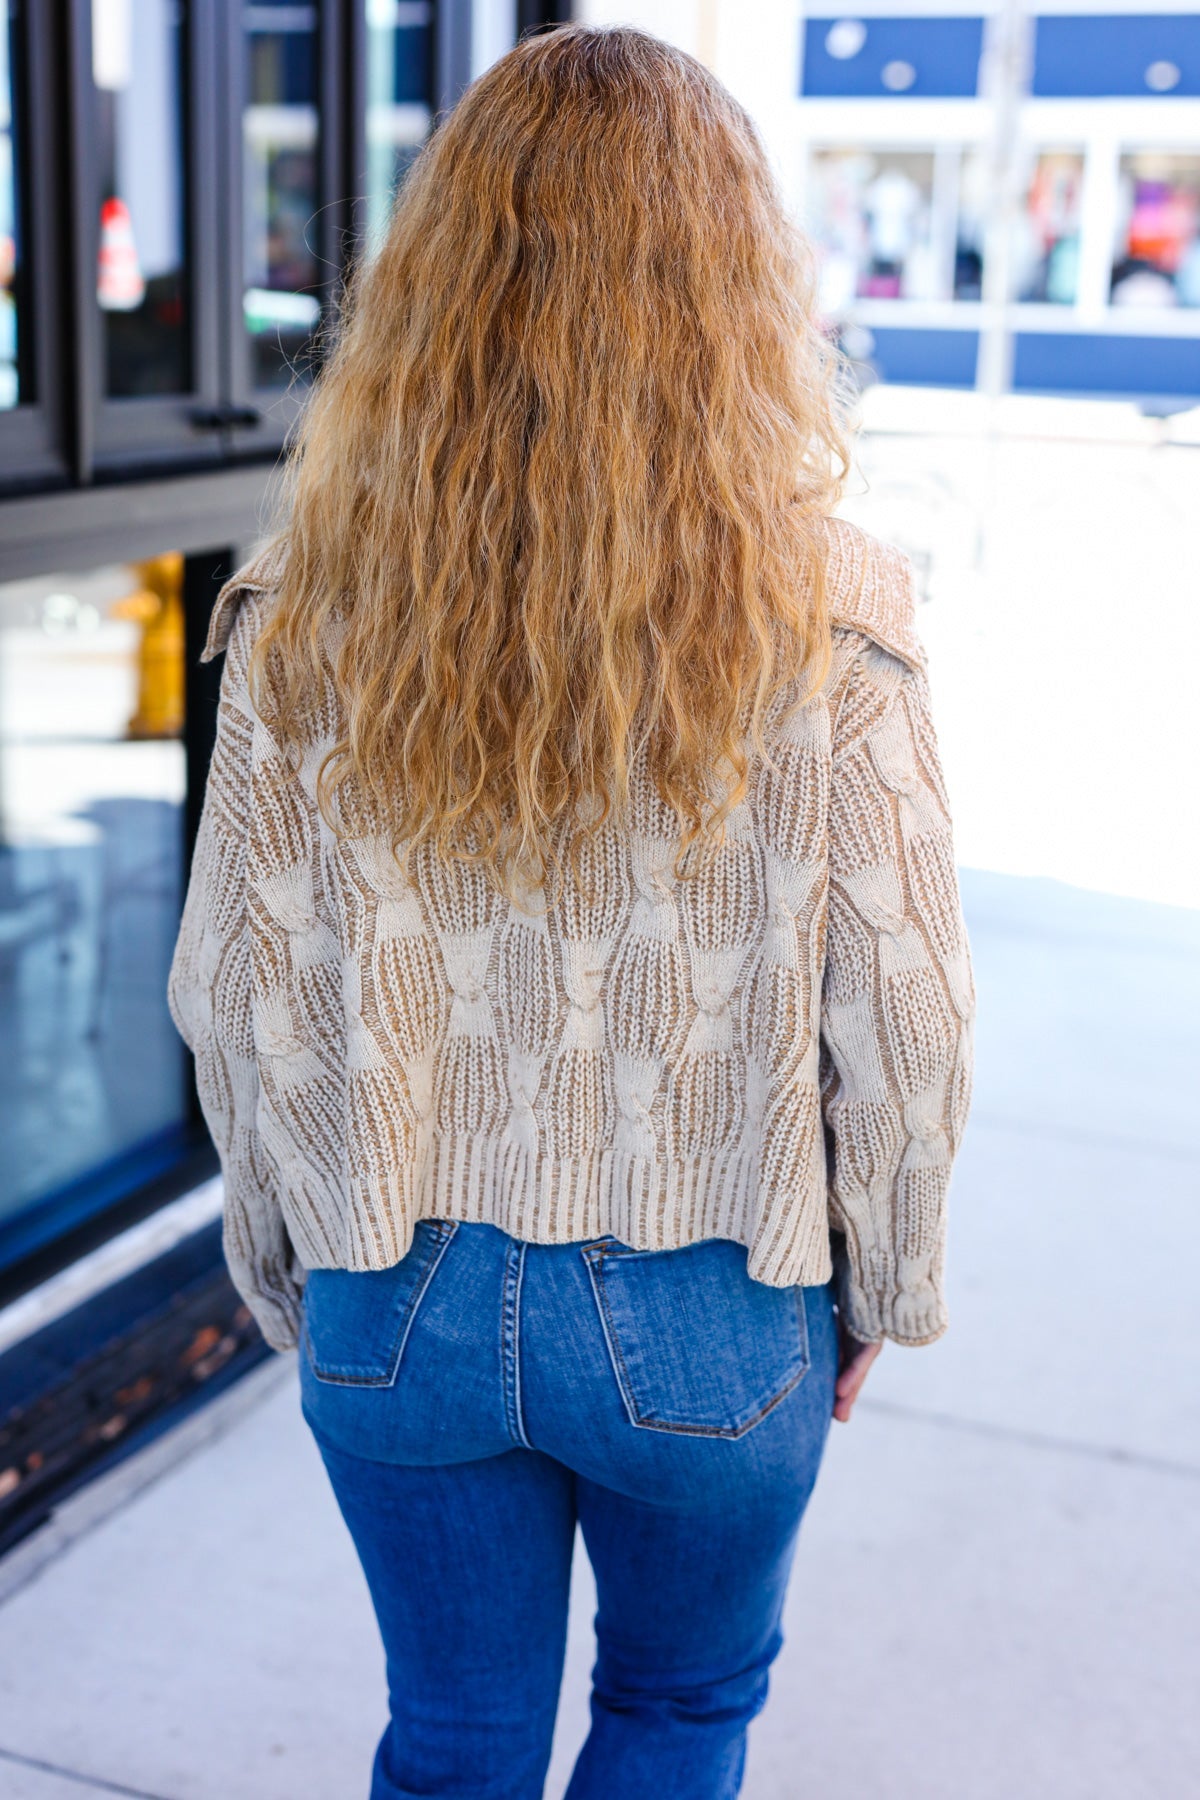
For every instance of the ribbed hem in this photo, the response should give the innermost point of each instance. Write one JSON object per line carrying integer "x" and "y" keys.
{"x": 638, "y": 1199}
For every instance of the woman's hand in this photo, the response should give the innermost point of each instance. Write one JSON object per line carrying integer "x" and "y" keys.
{"x": 854, "y": 1359}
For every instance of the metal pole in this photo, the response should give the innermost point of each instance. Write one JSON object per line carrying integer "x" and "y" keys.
{"x": 1004, "y": 81}
{"x": 1005, "y": 84}
{"x": 452, "y": 51}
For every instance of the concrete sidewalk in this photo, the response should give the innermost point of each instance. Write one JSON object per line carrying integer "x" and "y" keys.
{"x": 996, "y": 1592}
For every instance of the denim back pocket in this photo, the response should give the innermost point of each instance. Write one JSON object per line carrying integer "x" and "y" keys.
{"x": 355, "y": 1322}
{"x": 696, "y": 1345}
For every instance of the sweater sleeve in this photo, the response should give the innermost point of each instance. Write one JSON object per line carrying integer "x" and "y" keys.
{"x": 210, "y": 995}
{"x": 898, "y": 1004}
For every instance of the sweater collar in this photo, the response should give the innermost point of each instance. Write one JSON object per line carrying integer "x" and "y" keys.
{"x": 871, "y": 588}
{"x": 257, "y": 576}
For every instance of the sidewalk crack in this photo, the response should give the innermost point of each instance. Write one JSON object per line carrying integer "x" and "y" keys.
{"x": 1034, "y": 1440}
{"x": 97, "y": 1782}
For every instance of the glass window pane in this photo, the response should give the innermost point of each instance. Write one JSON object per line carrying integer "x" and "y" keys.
{"x": 92, "y": 778}
{"x": 16, "y": 385}
{"x": 137, "y": 69}
{"x": 965, "y": 202}
{"x": 399, "y": 110}
{"x": 871, "y": 213}
{"x": 1156, "y": 260}
{"x": 282, "y": 265}
{"x": 897, "y": 224}
{"x": 1047, "y": 247}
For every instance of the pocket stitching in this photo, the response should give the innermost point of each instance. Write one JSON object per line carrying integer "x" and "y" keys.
{"x": 594, "y": 1256}
{"x": 446, "y": 1230}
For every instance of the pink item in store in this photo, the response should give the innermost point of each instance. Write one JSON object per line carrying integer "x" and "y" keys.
{"x": 1163, "y": 224}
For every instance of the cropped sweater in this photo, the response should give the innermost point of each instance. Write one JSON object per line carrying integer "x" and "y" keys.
{"x": 777, "y": 1051}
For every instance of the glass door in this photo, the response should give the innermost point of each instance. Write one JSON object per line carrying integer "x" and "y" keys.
{"x": 284, "y": 60}
{"x": 93, "y": 1078}
{"x": 17, "y": 381}
{"x": 399, "y": 100}
{"x": 29, "y": 447}
{"x": 146, "y": 230}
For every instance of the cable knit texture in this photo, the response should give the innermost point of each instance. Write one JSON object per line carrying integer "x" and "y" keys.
{"x": 778, "y": 1051}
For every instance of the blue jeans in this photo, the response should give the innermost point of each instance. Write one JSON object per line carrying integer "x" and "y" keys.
{"x": 476, "y": 1401}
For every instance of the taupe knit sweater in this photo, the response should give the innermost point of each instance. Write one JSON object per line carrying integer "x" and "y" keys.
{"x": 773, "y": 1052}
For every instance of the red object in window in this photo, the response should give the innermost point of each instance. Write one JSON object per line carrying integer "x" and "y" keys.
{"x": 119, "y": 283}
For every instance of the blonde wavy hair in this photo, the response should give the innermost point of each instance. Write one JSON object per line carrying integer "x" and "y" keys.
{"x": 563, "y": 477}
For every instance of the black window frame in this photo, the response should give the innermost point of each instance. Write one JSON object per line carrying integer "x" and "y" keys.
{"x": 33, "y": 445}
{"x": 126, "y": 435}
{"x": 259, "y": 419}
{"x": 72, "y": 434}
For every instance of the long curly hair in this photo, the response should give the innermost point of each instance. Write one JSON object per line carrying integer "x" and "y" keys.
{"x": 562, "y": 480}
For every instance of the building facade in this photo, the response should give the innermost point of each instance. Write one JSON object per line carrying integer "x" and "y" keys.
{"x": 1005, "y": 193}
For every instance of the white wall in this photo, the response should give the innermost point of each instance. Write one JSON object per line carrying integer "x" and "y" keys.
{"x": 753, "y": 46}
{"x": 682, "y": 22}
{"x": 493, "y": 30}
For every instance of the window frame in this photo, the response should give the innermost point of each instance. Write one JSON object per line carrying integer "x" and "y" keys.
{"x": 72, "y": 435}
{"x": 128, "y": 434}
{"x": 33, "y": 448}
{"x": 261, "y": 418}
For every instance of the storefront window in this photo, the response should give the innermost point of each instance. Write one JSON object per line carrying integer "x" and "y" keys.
{"x": 897, "y": 224}
{"x": 282, "y": 265}
{"x": 137, "y": 69}
{"x": 13, "y": 350}
{"x": 1157, "y": 253}
{"x": 1048, "y": 230}
{"x": 399, "y": 75}
{"x": 92, "y": 1081}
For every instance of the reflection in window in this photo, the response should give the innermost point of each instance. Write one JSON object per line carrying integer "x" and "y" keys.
{"x": 399, "y": 80}
{"x": 137, "y": 69}
{"x": 1047, "y": 250}
{"x": 1156, "y": 259}
{"x": 91, "y": 794}
{"x": 897, "y": 224}
{"x": 14, "y": 385}
{"x": 281, "y": 302}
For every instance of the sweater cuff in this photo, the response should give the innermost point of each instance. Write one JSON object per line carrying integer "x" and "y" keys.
{"x": 278, "y": 1321}
{"x": 265, "y": 1270}
{"x": 276, "y": 1314}
{"x": 907, "y": 1315}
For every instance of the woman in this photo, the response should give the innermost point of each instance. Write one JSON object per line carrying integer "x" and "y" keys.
{"x": 573, "y": 956}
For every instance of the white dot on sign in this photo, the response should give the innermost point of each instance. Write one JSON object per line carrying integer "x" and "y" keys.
{"x": 898, "y": 75}
{"x": 845, "y": 38}
{"x": 1162, "y": 76}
